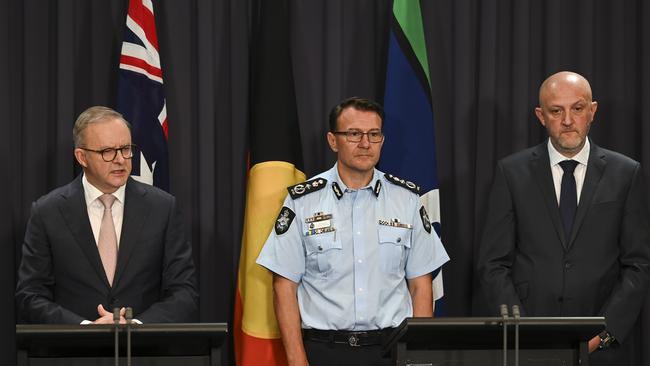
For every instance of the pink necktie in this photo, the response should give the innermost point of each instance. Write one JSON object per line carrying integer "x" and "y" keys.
{"x": 107, "y": 244}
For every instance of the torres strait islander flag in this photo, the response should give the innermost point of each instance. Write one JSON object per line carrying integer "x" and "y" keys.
{"x": 140, "y": 95}
{"x": 409, "y": 151}
{"x": 275, "y": 163}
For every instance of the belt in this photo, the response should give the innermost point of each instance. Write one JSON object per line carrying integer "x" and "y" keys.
{"x": 351, "y": 338}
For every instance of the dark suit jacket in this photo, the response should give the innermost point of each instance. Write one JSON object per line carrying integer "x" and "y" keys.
{"x": 603, "y": 270}
{"x": 61, "y": 278}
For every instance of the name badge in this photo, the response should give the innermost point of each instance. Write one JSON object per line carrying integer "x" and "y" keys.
{"x": 395, "y": 223}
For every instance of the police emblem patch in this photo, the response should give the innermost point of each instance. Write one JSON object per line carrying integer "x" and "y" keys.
{"x": 284, "y": 220}
{"x": 425, "y": 219}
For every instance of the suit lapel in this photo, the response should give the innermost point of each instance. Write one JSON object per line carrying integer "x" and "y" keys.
{"x": 75, "y": 213}
{"x": 541, "y": 167}
{"x": 595, "y": 168}
{"x": 136, "y": 211}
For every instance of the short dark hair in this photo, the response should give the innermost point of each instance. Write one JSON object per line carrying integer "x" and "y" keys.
{"x": 358, "y": 103}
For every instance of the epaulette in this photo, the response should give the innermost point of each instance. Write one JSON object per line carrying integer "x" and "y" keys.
{"x": 403, "y": 183}
{"x": 307, "y": 187}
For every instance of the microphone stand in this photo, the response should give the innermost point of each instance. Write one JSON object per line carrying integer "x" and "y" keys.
{"x": 129, "y": 317}
{"x": 516, "y": 315}
{"x": 504, "y": 314}
{"x": 116, "y": 321}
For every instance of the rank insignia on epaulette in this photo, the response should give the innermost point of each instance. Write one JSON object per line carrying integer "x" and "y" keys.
{"x": 307, "y": 187}
{"x": 425, "y": 219}
{"x": 403, "y": 183}
{"x": 284, "y": 220}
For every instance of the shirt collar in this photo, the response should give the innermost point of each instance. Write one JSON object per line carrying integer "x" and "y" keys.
{"x": 91, "y": 192}
{"x": 372, "y": 185}
{"x": 581, "y": 157}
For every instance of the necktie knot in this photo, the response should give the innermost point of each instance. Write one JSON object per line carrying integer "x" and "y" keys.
{"x": 569, "y": 166}
{"x": 107, "y": 200}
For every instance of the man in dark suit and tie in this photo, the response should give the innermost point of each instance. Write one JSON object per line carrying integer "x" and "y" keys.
{"x": 567, "y": 231}
{"x": 106, "y": 241}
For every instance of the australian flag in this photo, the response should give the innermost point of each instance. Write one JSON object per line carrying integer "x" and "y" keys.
{"x": 141, "y": 98}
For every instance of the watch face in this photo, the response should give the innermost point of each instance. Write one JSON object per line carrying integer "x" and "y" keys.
{"x": 606, "y": 339}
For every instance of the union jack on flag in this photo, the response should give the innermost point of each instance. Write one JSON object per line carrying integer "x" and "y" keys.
{"x": 140, "y": 95}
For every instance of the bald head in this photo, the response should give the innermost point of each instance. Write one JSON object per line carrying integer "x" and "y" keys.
{"x": 566, "y": 110}
{"x": 564, "y": 79}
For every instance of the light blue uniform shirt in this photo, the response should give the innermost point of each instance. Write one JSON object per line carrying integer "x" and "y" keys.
{"x": 351, "y": 267}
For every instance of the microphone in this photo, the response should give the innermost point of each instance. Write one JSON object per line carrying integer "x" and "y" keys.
{"x": 129, "y": 318}
{"x": 116, "y": 321}
{"x": 504, "y": 314}
{"x": 516, "y": 315}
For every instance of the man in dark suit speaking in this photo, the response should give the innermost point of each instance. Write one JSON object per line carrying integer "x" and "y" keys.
{"x": 106, "y": 241}
{"x": 567, "y": 227}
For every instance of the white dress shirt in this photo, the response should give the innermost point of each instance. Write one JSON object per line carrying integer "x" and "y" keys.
{"x": 96, "y": 208}
{"x": 555, "y": 158}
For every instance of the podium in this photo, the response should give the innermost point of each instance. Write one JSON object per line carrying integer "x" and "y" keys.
{"x": 479, "y": 341}
{"x": 190, "y": 344}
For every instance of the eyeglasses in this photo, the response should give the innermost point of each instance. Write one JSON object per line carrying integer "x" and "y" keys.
{"x": 109, "y": 154}
{"x": 356, "y": 136}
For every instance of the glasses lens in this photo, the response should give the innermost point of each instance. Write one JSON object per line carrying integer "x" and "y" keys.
{"x": 109, "y": 154}
{"x": 353, "y": 136}
{"x": 127, "y": 151}
{"x": 375, "y": 136}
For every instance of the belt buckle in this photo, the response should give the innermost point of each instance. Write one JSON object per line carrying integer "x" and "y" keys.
{"x": 353, "y": 341}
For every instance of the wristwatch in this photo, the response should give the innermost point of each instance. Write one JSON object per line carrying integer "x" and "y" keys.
{"x": 606, "y": 339}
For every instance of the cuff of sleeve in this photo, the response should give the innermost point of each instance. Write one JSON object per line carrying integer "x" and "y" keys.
{"x": 280, "y": 271}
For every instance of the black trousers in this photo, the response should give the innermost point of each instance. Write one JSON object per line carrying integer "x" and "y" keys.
{"x": 337, "y": 354}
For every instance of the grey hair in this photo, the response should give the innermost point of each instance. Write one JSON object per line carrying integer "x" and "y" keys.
{"x": 93, "y": 115}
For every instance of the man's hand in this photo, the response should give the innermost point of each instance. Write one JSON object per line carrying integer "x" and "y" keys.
{"x": 106, "y": 317}
{"x": 594, "y": 343}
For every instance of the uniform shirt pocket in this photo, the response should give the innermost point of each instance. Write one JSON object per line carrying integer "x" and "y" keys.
{"x": 322, "y": 251}
{"x": 393, "y": 244}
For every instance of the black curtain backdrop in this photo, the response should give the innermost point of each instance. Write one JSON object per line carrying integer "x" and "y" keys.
{"x": 487, "y": 59}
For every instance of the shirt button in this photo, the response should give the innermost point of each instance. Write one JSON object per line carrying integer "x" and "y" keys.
{"x": 358, "y": 232}
{"x": 399, "y": 240}
{"x": 360, "y": 289}
{"x": 360, "y": 260}
{"x": 567, "y": 265}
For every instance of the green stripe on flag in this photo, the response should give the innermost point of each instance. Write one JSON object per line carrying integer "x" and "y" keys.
{"x": 409, "y": 17}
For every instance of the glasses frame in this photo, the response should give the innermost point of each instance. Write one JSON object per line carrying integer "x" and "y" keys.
{"x": 114, "y": 149}
{"x": 348, "y": 136}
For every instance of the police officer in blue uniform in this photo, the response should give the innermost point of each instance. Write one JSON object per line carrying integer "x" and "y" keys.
{"x": 352, "y": 251}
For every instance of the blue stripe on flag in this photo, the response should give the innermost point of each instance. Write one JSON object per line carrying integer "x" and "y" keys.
{"x": 409, "y": 149}
{"x": 140, "y": 100}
